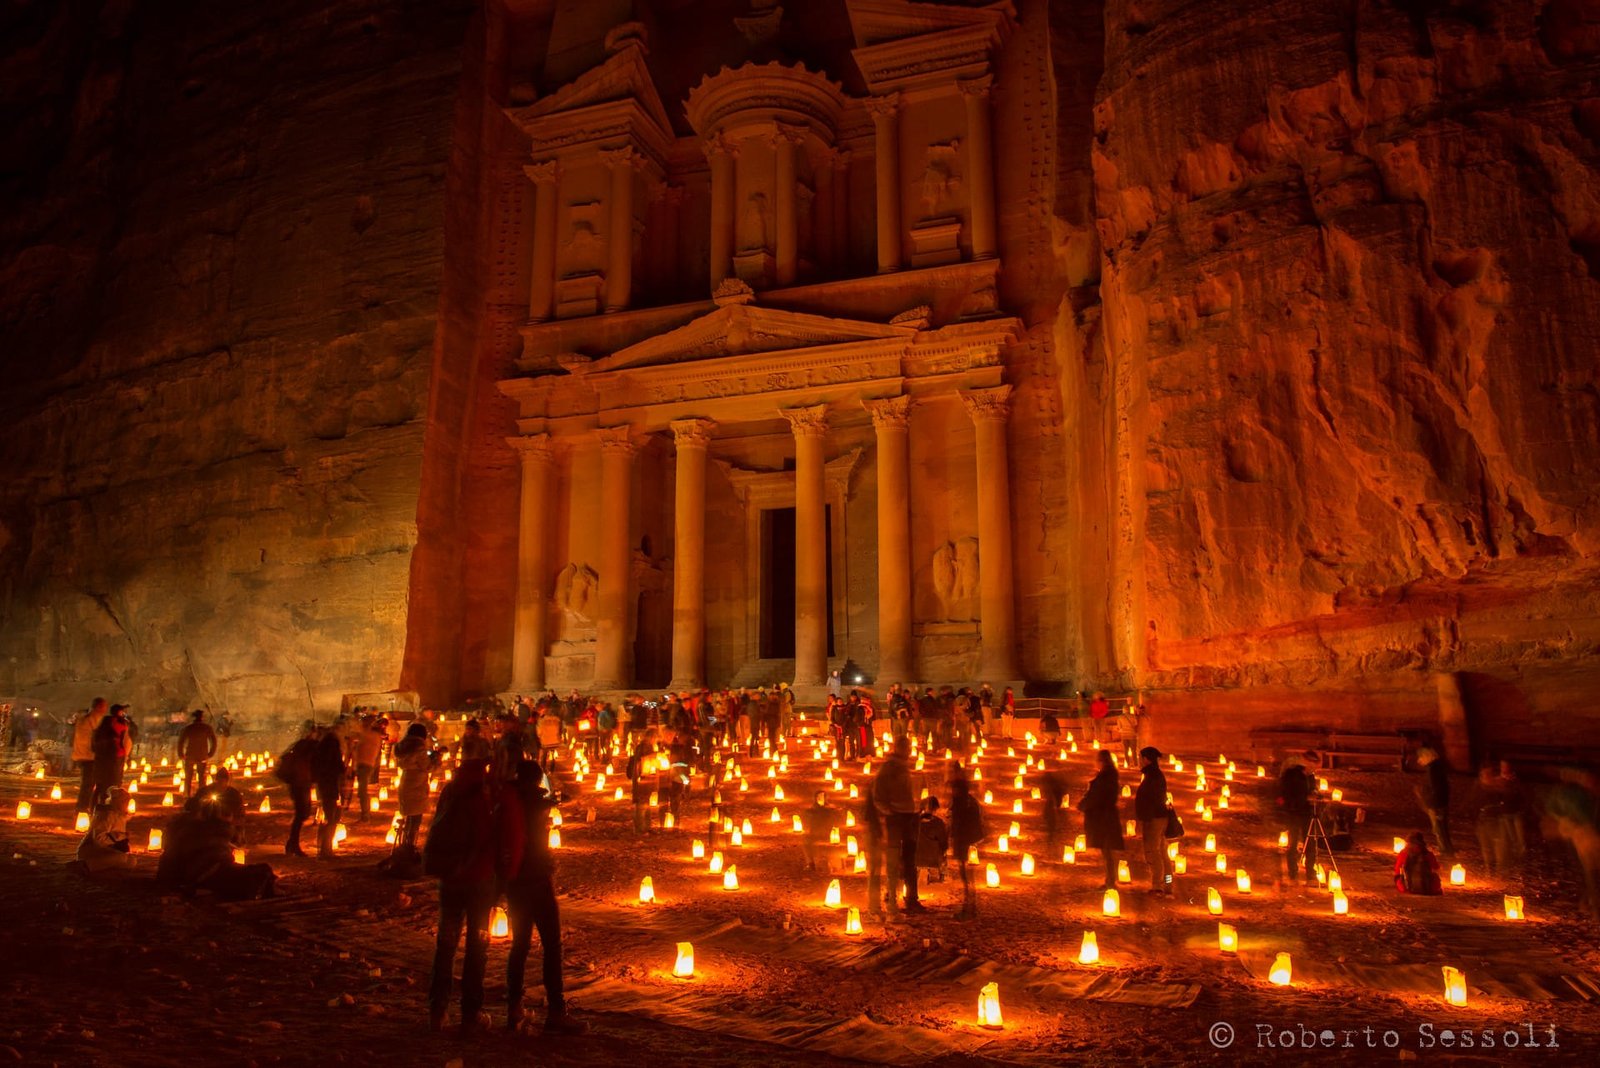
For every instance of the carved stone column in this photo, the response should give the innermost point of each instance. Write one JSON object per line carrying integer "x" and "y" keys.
{"x": 528, "y": 637}
{"x": 787, "y": 251}
{"x": 542, "y": 284}
{"x": 619, "y": 241}
{"x": 980, "y": 165}
{"x": 989, "y": 409}
{"x": 721, "y": 155}
{"x": 810, "y": 428}
{"x": 886, "y": 152}
{"x": 617, "y": 450}
{"x": 892, "y": 420}
{"x": 693, "y": 437}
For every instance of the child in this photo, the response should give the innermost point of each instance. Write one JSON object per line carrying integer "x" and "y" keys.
{"x": 1416, "y": 870}
{"x": 819, "y": 823}
{"x": 966, "y": 826}
{"x": 933, "y": 839}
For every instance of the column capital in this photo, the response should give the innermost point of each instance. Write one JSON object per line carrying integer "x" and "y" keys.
{"x": 617, "y": 440}
{"x": 626, "y": 156}
{"x": 533, "y": 448}
{"x": 542, "y": 173}
{"x": 882, "y": 107}
{"x": 807, "y": 422}
{"x": 976, "y": 87}
{"x": 719, "y": 144}
{"x": 791, "y": 135}
{"x": 692, "y": 433}
{"x": 841, "y": 159}
{"x": 890, "y": 413}
{"x": 992, "y": 405}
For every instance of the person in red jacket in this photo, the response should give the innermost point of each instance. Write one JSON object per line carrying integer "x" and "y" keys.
{"x": 1416, "y": 869}
{"x": 461, "y": 850}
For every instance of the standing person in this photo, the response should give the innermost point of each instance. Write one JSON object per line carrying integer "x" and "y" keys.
{"x": 933, "y": 839}
{"x": 473, "y": 745}
{"x": 644, "y": 772}
{"x": 1150, "y": 809}
{"x": 1052, "y": 791}
{"x": 1434, "y": 796}
{"x": 83, "y": 750}
{"x": 412, "y": 761}
{"x": 1008, "y": 713}
{"x": 294, "y": 771}
{"x": 369, "y": 744}
{"x": 1296, "y": 792}
{"x": 461, "y": 851}
{"x": 895, "y": 801}
{"x": 110, "y": 752}
{"x": 986, "y": 713}
{"x": 1102, "y": 826}
{"x": 327, "y": 772}
{"x": 1099, "y": 709}
{"x": 966, "y": 832}
{"x": 197, "y": 744}
{"x": 1500, "y": 832}
{"x": 835, "y": 684}
{"x": 528, "y": 874}
{"x": 821, "y": 819}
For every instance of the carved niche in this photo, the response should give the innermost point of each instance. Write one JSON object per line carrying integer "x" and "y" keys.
{"x": 577, "y": 588}
{"x": 955, "y": 579}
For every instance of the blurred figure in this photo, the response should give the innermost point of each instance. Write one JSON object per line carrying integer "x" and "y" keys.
{"x": 294, "y": 771}
{"x": 1416, "y": 870}
{"x": 1102, "y": 824}
{"x": 1150, "y": 809}
{"x": 105, "y": 846}
{"x": 83, "y": 751}
{"x": 369, "y": 739}
{"x": 895, "y": 802}
{"x": 328, "y": 772}
{"x": 1297, "y": 789}
{"x": 197, "y": 744}
{"x": 223, "y": 801}
{"x": 1573, "y": 811}
{"x": 821, "y": 818}
{"x": 414, "y": 762}
{"x": 1052, "y": 792}
{"x": 461, "y": 851}
{"x": 1501, "y": 835}
{"x": 1434, "y": 796}
{"x": 933, "y": 839}
{"x": 111, "y": 747}
{"x": 966, "y": 832}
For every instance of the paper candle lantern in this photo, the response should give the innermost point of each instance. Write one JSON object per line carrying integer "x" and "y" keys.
{"x": 1180, "y": 865}
{"x": 1069, "y": 856}
{"x": 1227, "y": 938}
{"x": 1222, "y": 862}
{"x": 1514, "y": 907}
{"x": 833, "y": 836}
{"x": 340, "y": 833}
{"x": 82, "y": 822}
{"x": 499, "y": 923}
{"x": 852, "y": 921}
{"x": 850, "y": 846}
{"x": 1455, "y": 986}
{"x": 1211, "y": 843}
{"x": 1089, "y": 951}
{"x": 1283, "y": 839}
{"x": 716, "y": 862}
{"x": 391, "y": 836}
{"x": 798, "y": 826}
{"x": 1080, "y": 843}
{"x": 989, "y": 1007}
{"x": 1127, "y": 792}
{"x": 833, "y": 897}
{"x": 1124, "y": 876}
{"x": 747, "y": 827}
{"x": 1458, "y": 875}
{"x": 647, "y": 891}
{"x": 988, "y": 797}
{"x": 555, "y": 838}
{"x": 1282, "y": 970}
{"x": 730, "y": 878}
{"x": 155, "y": 841}
{"x": 1016, "y": 807}
{"x": 1003, "y": 844}
{"x": 1241, "y": 879}
{"x": 849, "y": 819}
{"x": 861, "y": 863}
{"x": 1111, "y": 904}
{"x": 668, "y": 822}
{"x": 1213, "y": 901}
{"x": 1341, "y": 904}
{"x": 1399, "y": 844}
{"x": 1132, "y": 828}
{"x": 683, "y": 967}
{"x": 265, "y": 806}
{"x": 777, "y": 793}
{"x": 238, "y": 856}
{"x": 777, "y": 817}
{"x": 24, "y": 810}
{"x": 555, "y": 818}
{"x": 697, "y": 850}
{"x": 55, "y": 792}
{"x": 1027, "y": 864}
{"x": 1016, "y": 829}
{"x": 992, "y": 875}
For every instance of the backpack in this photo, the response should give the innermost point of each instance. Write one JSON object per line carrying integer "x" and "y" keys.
{"x": 294, "y": 765}
{"x": 450, "y": 839}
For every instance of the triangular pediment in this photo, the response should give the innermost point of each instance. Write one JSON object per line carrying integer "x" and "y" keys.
{"x": 623, "y": 76}
{"x": 876, "y": 21}
{"x": 746, "y": 330}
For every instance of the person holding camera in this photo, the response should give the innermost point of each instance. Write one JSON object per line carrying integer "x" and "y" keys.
{"x": 1297, "y": 791}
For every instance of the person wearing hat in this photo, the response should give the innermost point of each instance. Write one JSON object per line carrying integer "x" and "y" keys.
{"x": 1150, "y": 809}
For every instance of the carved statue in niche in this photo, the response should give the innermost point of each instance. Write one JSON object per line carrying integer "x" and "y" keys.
{"x": 941, "y": 183}
{"x": 583, "y": 246}
{"x": 753, "y": 226}
{"x": 577, "y": 587}
{"x": 955, "y": 578}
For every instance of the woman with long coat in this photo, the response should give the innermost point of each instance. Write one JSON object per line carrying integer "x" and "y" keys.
{"x": 412, "y": 760}
{"x": 1102, "y": 824}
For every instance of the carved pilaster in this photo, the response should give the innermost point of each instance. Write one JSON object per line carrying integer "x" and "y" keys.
{"x": 617, "y": 440}
{"x": 891, "y": 413}
{"x": 693, "y": 433}
{"x": 992, "y": 405}
{"x": 807, "y": 422}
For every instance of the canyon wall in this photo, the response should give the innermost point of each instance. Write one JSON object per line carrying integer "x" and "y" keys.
{"x": 1351, "y": 299}
{"x": 221, "y": 263}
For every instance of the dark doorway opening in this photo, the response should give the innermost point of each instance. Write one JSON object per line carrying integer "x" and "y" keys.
{"x": 777, "y": 608}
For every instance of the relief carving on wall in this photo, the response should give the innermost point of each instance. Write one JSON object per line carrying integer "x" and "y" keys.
{"x": 753, "y": 225}
{"x": 941, "y": 181}
{"x": 955, "y": 579}
{"x": 577, "y": 588}
{"x": 582, "y": 249}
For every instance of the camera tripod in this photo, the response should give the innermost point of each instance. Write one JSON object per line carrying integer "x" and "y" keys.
{"x": 1316, "y": 839}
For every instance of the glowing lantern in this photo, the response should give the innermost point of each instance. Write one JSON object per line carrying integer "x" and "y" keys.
{"x": 697, "y": 850}
{"x": 24, "y": 810}
{"x": 727, "y": 826}
{"x": 1133, "y": 829}
{"x": 1081, "y": 844}
{"x": 1213, "y": 901}
{"x": 1335, "y": 883}
{"x": 850, "y": 847}
{"x": 1016, "y": 807}
{"x": 555, "y": 818}
{"x": 1111, "y": 904}
{"x": 670, "y": 821}
{"x": 655, "y": 799}
{"x": 647, "y": 891}
{"x": 340, "y": 833}
{"x": 1016, "y": 829}
{"x": 1227, "y": 938}
{"x": 555, "y": 838}
{"x": 861, "y": 863}
{"x": 1003, "y": 844}
{"x": 38, "y": 773}
{"x": 1172, "y": 850}
{"x": 989, "y": 1007}
{"x": 166, "y": 800}
{"x": 1261, "y": 772}
{"x": 852, "y": 921}
{"x": 1124, "y": 876}
{"x": 737, "y": 838}
{"x": 391, "y": 837}
{"x": 499, "y": 923}
{"x": 383, "y": 793}
{"x": 972, "y": 854}
{"x": 1241, "y": 879}
{"x": 1222, "y": 803}
{"x": 617, "y": 795}
{"x": 1283, "y": 839}
{"x": 988, "y": 797}
{"x": 833, "y": 836}
{"x": 1199, "y": 805}
{"x": 1338, "y": 795}
{"x": 730, "y": 878}
{"x": 82, "y": 822}
{"x": 1069, "y": 856}
{"x": 1180, "y": 865}
{"x": 849, "y": 819}
{"x": 1127, "y": 792}
{"x": 1089, "y": 951}
{"x": 133, "y": 806}
{"x": 1282, "y": 970}
{"x": 1455, "y": 986}
{"x": 1458, "y": 876}
{"x": 55, "y": 792}
{"x": 238, "y": 856}
{"x": 1514, "y": 907}
{"x": 747, "y": 828}
{"x": 853, "y": 791}
{"x": 265, "y": 806}
{"x": 1222, "y": 862}
{"x": 1399, "y": 844}
{"x": 716, "y": 862}
{"x": 1341, "y": 904}
{"x": 1211, "y": 843}
{"x": 1027, "y": 864}
{"x": 799, "y": 827}
{"x": 833, "y": 897}
{"x": 992, "y": 875}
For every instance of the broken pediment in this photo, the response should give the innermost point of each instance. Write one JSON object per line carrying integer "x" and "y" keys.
{"x": 878, "y": 21}
{"x": 623, "y": 76}
{"x": 745, "y": 329}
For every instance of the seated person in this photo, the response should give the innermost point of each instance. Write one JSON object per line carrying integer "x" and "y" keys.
{"x": 198, "y": 855}
{"x": 1416, "y": 869}
{"x": 933, "y": 839}
{"x": 105, "y": 845}
{"x": 222, "y": 801}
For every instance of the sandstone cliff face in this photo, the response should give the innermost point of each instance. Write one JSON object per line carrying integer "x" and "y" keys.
{"x": 1351, "y": 306}
{"x": 220, "y": 276}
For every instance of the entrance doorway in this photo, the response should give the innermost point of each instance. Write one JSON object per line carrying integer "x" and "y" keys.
{"x": 777, "y": 581}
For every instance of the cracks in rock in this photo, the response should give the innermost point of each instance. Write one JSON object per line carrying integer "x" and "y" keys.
{"x": 104, "y": 601}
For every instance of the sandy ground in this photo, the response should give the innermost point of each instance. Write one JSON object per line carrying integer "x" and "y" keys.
{"x": 112, "y": 972}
